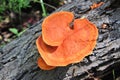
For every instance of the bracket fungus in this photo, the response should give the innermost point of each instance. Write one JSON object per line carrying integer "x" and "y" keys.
{"x": 96, "y": 5}
{"x": 43, "y": 65}
{"x": 57, "y": 27}
{"x": 60, "y": 45}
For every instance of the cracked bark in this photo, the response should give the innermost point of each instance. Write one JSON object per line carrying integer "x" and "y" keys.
{"x": 18, "y": 58}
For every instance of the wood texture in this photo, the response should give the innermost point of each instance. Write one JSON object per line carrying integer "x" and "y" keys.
{"x": 18, "y": 58}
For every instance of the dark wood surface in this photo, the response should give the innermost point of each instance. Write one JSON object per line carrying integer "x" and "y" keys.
{"x": 18, "y": 58}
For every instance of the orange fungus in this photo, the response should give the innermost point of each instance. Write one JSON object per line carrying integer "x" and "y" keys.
{"x": 95, "y": 5}
{"x": 56, "y": 26}
{"x": 43, "y": 65}
{"x": 59, "y": 45}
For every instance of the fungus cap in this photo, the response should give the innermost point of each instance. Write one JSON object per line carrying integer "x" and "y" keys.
{"x": 74, "y": 47}
{"x": 43, "y": 65}
{"x": 96, "y": 5}
{"x": 55, "y": 27}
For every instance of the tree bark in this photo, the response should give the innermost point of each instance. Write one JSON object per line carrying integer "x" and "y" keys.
{"x": 18, "y": 58}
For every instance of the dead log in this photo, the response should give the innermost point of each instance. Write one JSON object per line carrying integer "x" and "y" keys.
{"x": 18, "y": 58}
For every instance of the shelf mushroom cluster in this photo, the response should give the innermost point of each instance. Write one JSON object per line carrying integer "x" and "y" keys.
{"x": 62, "y": 43}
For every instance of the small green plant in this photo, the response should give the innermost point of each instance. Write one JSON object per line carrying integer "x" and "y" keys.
{"x": 13, "y": 5}
{"x": 2, "y": 6}
{"x": 15, "y": 31}
{"x": 44, "y": 14}
{"x": 43, "y": 9}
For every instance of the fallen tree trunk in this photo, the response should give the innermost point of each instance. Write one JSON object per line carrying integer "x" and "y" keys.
{"x": 18, "y": 58}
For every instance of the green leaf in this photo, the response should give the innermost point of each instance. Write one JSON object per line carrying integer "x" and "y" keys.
{"x": 20, "y": 33}
{"x": 14, "y": 31}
